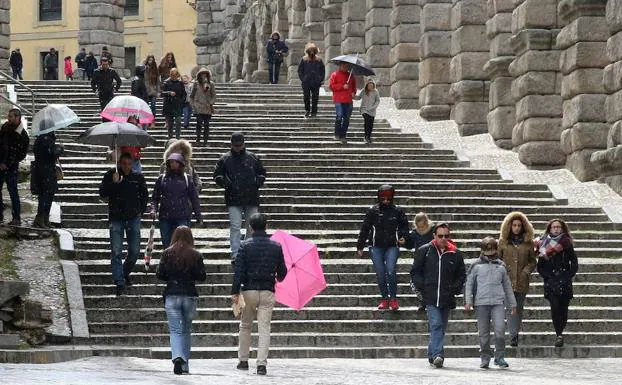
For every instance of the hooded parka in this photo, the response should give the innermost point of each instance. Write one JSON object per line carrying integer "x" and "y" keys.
{"x": 518, "y": 253}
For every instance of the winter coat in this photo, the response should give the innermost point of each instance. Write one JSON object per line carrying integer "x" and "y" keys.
{"x": 178, "y": 281}
{"x": 369, "y": 101}
{"x": 173, "y": 104}
{"x": 258, "y": 264}
{"x": 438, "y": 275}
{"x": 90, "y": 65}
{"x": 50, "y": 61}
{"x": 520, "y": 259}
{"x": 102, "y": 81}
{"x": 153, "y": 88}
{"x": 241, "y": 174}
{"x": 415, "y": 239}
{"x": 274, "y": 57}
{"x": 68, "y": 68}
{"x": 338, "y": 79}
{"x": 184, "y": 148}
{"x": 81, "y": 60}
{"x": 139, "y": 89}
{"x": 16, "y": 60}
{"x": 176, "y": 197}
{"x": 13, "y": 144}
{"x": 165, "y": 70}
{"x": 202, "y": 100}
{"x": 488, "y": 284}
{"x": 382, "y": 226}
{"x": 311, "y": 72}
{"x": 127, "y": 199}
{"x": 46, "y": 153}
{"x": 558, "y": 272}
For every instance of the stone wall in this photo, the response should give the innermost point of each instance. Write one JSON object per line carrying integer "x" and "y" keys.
{"x": 5, "y": 32}
{"x": 101, "y": 24}
{"x": 405, "y": 54}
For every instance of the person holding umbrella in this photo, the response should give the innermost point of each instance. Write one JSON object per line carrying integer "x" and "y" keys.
{"x": 175, "y": 198}
{"x": 126, "y": 193}
{"x": 259, "y": 263}
{"x": 44, "y": 176}
{"x": 343, "y": 85}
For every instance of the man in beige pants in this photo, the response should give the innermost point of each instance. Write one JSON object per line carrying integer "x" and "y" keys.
{"x": 258, "y": 265}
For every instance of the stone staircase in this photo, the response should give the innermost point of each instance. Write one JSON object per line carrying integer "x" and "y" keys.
{"x": 319, "y": 190}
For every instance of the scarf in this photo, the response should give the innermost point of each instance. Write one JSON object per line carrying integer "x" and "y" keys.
{"x": 549, "y": 245}
{"x": 517, "y": 239}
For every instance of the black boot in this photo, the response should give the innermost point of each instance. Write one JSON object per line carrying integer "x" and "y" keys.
{"x": 177, "y": 365}
{"x": 242, "y": 365}
{"x": 261, "y": 370}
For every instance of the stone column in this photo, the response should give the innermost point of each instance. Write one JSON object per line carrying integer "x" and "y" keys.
{"x": 537, "y": 84}
{"x": 353, "y": 30}
{"x": 297, "y": 39}
{"x": 435, "y": 46}
{"x": 405, "y": 54}
{"x": 332, "y": 30}
{"x": 210, "y": 33}
{"x": 502, "y": 111}
{"x": 470, "y": 53}
{"x": 608, "y": 162}
{"x": 101, "y": 24}
{"x": 5, "y": 34}
{"x": 377, "y": 22}
{"x": 314, "y": 23}
{"x": 583, "y": 40}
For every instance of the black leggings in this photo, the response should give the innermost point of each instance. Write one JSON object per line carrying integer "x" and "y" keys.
{"x": 559, "y": 312}
{"x": 369, "y": 124}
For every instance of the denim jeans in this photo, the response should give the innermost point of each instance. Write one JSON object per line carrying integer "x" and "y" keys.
{"x": 438, "y": 317}
{"x": 11, "y": 176}
{"x": 203, "y": 126}
{"x": 17, "y": 73}
{"x": 180, "y": 311}
{"x": 187, "y": 111}
{"x": 342, "y": 119}
{"x": 131, "y": 229}
{"x": 514, "y": 321}
{"x": 167, "y": 228}
{"x": 273, "y": 72}
{"x": 385, "y": 263}
{"x": 152, "y": 105}
{"x": 176, "y": 120}
{"x": 136, "y": 166}
{"x": 487, "y": 315}
{"x": 236, "y": 213}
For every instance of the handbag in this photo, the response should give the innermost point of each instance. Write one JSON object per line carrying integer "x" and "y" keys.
{"x": 60, "y": 175}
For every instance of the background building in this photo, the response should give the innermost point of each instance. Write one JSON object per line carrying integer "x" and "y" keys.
{"x": 150, "y": 27}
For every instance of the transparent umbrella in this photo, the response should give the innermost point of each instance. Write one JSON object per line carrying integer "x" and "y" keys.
{"x": 51, "y": 118}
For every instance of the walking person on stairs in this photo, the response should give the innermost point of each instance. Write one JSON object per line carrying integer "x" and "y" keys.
{"x": 516, "y": 249}
{"x": 104, "y": 83}
{"x": 343, "y": 85}
{"x": 370, "y": 99}
{"x": 126, "y": 193}
{"x": 277, "y": 50}
{"x": 421, "y": 235}
{"x": 557, "y": 264}
{"x": 438, "y": 272}
{"x": 385, "y": 229}
{"x": 259, "y": 264}
{"x": 489, "y": 290}
{"x": 202, "y": 99}
{"x": 181, "y": 265}
{"x": 241, "y": 174}
{"x": 14, "y": 143}
{"x": 44, "y": 182}
{"x": 311, "y": 72}
{"x": 183, "y": 147}
{"x": 174, "y": 93}
{"x": 152, "y": 82}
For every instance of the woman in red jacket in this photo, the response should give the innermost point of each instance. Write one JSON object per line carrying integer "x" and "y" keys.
{"x": 343, "y": 86}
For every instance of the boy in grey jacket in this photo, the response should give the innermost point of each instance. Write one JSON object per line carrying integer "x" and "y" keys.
{"x": 489, "y": 289}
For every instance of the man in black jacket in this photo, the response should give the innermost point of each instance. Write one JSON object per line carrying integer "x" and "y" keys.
{"x": 438, "y": 272}
{"x": 13, "y": 149}
{"x": 259, "y": 263}
{"x": 127, "y": 196}
{"x": 102, "y": 83}
{"x": 17, "y": 64}
{"x": 241, "y": 174}
{"x": 81, "y": 62}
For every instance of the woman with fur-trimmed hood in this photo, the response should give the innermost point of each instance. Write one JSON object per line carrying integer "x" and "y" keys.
{"x": 183, "y": 147}
{"x": 516, "y": 249}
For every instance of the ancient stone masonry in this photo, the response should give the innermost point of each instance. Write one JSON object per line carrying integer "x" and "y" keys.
{"x": 435, "y": 46}
{"x": 377, "y": 48}
{"x": 470, "y": 53}
{"x": 608, "y": 163}
{"x": 101, "y": 24}
{"x": 583, "y": 39}
{"x": 5, "y": 31}
{"x": 405, "y": 33}
{"x": 332, "y": 29}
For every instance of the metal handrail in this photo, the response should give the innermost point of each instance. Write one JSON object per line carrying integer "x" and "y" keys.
{"x": 22, "y": 108}
{"x": 32, "y": 92}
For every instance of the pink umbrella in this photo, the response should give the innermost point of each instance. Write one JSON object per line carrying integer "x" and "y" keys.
{"x": 123, "y": 106}
{"x": 305, "y": 277}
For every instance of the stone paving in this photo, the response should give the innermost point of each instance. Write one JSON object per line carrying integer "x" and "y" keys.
{"x": 99, "y": 370}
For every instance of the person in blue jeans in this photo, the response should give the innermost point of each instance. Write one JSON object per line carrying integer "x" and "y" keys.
{"x": 126, "y": 193}
{"x": 13, "y": 148}
{"x": 343, "y": 85}
{"x": 241, "y": 174}
{"x": 384, "y": 223}
{"x": 438, "y": 272}
{"x": 181, "y": 265}
{"x": 176, "y": 198}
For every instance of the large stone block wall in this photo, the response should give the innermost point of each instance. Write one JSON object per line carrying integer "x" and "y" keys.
{"x": 377, "y": 47}
{"x": 101, "y": 24}
{"x": 608, "y": 163}
{"x": 5, "y": 33}
{"x": 405, "y": 33}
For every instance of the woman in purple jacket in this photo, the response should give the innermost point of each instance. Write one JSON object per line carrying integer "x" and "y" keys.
{"x": 176, "y": 198}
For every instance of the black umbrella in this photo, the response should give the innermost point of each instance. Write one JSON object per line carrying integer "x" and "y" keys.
{"x": 358, "y": 66}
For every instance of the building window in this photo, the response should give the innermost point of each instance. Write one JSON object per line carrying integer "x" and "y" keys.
{"x": 50, "y": 10}
{"x": 131, "y": 7}
{"x": 130, "y": 60}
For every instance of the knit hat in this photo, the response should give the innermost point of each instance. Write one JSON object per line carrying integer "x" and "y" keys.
{"x": 178, "y": 158}
{"x": 237, "y": 138}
